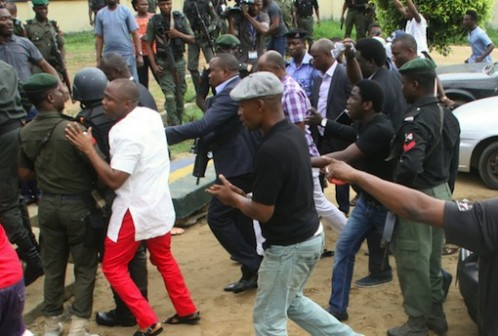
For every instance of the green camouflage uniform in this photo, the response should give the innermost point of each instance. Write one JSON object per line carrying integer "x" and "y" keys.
{"x": 46, "y": 36}
{"x": 202, "y": 40}
{"x": 173, "y": 88}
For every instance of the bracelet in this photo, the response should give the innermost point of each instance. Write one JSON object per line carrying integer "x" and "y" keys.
{"x": 442, "y": 99}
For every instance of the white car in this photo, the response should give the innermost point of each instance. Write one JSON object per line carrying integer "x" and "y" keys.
{"x": 479, "y": 139}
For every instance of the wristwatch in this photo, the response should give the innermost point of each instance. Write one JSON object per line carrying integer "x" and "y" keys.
{"x": 323, "y": 123}
{"x": 140, "y": 53}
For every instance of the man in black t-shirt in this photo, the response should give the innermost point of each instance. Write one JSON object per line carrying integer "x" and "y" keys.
{"x": 369, "y": 152}
{"x": 283, "y": 203}
{"x": 472, "y": 226}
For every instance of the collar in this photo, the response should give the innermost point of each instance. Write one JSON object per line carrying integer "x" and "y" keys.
{"x": 331, "y": 70}
{"x": 220, "y": 87}
{"x": 276, "y": 127}
{"x": 306, "y": 60}
{"x": 49, "y": 115}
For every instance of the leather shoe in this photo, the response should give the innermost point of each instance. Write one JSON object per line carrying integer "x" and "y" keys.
{"x": 111, "y": 319}
{"x": 242, "y": 285}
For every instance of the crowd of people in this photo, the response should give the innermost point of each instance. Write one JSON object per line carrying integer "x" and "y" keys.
{"x": 286, "y": 111}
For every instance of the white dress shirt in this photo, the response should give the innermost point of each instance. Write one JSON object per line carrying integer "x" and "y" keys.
{"x": 323, "y": 94}
{"x": 138, "y": 146}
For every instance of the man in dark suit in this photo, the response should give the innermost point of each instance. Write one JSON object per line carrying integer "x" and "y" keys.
{"x": 233, "y": 148}
{"x": 328, "y": 97}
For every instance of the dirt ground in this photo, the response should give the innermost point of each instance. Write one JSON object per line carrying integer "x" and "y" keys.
{"x": 207, "y": 268}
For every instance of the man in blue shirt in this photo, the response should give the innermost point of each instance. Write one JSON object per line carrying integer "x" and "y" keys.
{"x": 113, "y": 26}
{"x": 300, "y": 67}
{"x": 479, "y": 41}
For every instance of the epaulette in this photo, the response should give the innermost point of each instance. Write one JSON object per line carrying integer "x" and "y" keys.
{"x": 30, "y": 21}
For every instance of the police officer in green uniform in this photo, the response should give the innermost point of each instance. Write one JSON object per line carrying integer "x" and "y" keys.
{"x": 46, "y": 36}
{"x": 170, "y": 31}
{"x": 66, "y": 180}
{"x": 226, "y": 43}
{"x": 418, "y": 152}
{"x": 200, "y": 14}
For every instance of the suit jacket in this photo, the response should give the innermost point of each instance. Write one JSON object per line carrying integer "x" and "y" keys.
{"x": 338, "y": 93}
{"x": 233, "y": 146}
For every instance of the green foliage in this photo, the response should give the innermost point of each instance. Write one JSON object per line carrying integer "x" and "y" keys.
{"x": 328, "y": 29}
{"x": 444, "y": 18}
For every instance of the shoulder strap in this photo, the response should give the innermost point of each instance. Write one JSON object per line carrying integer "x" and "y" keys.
{"x": 46, "y": 139}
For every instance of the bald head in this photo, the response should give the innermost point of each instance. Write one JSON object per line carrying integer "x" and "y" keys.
{"x": 227, "y": 62}
{"x": 322, "y": 55}
{"x": 273, "y": 62}
{"x": 126, "y": 89}
{"x": 323, "y": 45}
{"x": 114, "y": 66}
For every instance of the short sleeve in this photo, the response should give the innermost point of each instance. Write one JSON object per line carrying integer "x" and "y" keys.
{"x": 125, "y": 153}
{"x": 130, "y": 21}
{"x": 473, "y": 226}
{"x": 98, "y": 24}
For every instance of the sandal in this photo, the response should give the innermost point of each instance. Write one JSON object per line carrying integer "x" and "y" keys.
{"x": 151, "y": 331}
{"x": 189, "y": 319}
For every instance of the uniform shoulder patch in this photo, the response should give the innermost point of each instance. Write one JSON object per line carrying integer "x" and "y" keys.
{"x": 464, "y": 205}
{"x": 409, "y": 142}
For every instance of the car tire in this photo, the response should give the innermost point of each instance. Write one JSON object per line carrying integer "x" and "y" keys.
{"x": 488, "y": 165}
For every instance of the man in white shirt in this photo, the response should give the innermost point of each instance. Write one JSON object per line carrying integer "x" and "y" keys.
{"x": 416, "y": 25}
{"x": 142, "y": 209}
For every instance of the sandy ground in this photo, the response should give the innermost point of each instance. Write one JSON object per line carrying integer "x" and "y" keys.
{"x": 207, "y": 268}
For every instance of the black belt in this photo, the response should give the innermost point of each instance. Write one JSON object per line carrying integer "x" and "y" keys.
{"x": 10, "y": 126}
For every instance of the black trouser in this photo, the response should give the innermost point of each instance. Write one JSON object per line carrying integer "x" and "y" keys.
{"x": 235, "y": 231}
{"x": 378, "y": 257}
{"x": 10, "y": 214}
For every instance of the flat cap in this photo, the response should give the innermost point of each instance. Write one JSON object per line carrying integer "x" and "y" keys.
{"x": 256, "y": 85}
{"x": 39, "y": 2}
{"x": 297, "y": 34}
{"x": 227, "y": 40}
{"x": 40, "y": 83}
{"x": 417, "y": 65}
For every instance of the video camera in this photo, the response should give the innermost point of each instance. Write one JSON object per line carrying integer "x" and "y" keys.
{"x": 235, "y": 9}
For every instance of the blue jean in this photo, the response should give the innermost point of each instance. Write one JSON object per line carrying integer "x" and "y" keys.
{"x": 278, "y": 43}
{"x": 12, "y": 301}
{"x": 365, "y": 217}
{"x": 282, "y": 277}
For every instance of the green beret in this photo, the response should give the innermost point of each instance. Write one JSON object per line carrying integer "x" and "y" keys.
{"x": 228, "y": 41}
{"x": 417, "y": 65}
{"x": 39, "y": 2}
{"x": 40, "y": 83}
{"x": 297, "y": 34}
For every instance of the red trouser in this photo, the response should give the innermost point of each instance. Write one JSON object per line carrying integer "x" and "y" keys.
{"x": 115, "y": 267}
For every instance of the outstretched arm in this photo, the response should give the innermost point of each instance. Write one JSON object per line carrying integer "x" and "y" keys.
{"x": 401, "y": 200}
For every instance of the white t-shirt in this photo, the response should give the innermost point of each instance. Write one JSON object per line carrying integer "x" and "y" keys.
{"x": 419, "y": 32}
{"x": 138, "y": 146}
